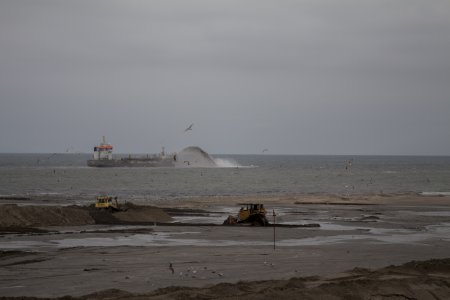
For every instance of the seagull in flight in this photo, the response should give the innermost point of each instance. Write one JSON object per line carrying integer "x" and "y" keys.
{"x": 189, "y": 128}
{"x": 265, "y": 150}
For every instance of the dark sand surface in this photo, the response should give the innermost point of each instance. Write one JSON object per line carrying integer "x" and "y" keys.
{"x": 363, "y": 232}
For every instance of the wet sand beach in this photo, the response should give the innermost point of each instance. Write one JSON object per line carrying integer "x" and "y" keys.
{"x": 183, "y": 244}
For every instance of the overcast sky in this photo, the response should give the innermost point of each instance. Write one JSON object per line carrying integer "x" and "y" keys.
{"x": 295, "y": 77}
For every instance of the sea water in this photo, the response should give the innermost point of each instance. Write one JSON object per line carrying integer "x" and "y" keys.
{"x": 67, "y": 176}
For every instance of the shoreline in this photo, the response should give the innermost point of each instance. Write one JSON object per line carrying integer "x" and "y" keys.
{"x": 361, "y": 231}
{"x": 407, "y": 197}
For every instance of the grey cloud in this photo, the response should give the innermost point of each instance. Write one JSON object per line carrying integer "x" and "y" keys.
{"x": 319, "y": 77}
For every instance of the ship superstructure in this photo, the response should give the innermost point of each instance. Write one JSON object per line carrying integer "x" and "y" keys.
{"x": 103, "y": 157}
{"x": 103, "y": 151}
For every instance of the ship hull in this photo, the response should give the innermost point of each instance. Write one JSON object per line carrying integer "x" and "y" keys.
{"x": 142, "y": 163}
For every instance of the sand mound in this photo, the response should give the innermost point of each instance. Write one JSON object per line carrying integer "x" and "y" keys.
{"x": 12, "y": 215}
{"x": 142, "y": 214}
{"x": 415, "y": 280}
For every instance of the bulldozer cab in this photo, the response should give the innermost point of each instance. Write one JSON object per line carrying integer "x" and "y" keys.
{"x": 106, "y": 202}
{"x": 250, "y": 213}
{"x": 250, "y": 209}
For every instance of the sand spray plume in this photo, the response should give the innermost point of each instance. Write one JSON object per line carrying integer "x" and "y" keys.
{"x": 194, "y": 156}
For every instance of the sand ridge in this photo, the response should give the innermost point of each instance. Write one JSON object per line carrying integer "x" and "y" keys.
{"x": 12, "y": 215}
{"x": 425, "y": 280}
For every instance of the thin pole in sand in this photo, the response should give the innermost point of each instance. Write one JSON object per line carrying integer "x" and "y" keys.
{"x": 274, "y": 215}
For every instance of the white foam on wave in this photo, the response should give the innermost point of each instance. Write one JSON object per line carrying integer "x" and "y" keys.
{"x": 229, "y": 163}
{"x": 435, "y": 193}
{"x": 226, "y": 163}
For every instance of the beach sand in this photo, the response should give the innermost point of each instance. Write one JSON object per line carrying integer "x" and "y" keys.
{"x": 347, "y": 257}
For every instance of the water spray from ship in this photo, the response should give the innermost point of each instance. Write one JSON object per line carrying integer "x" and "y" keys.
{"x": 226, "y": 163}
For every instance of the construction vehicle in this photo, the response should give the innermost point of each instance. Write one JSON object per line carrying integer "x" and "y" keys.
{"x": 250, "y": 213}
{"x": 107, "y": 203}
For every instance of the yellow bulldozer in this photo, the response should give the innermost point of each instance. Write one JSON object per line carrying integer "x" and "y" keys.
{"x": 250, "y": 213}
{"x": 107, "y": 203}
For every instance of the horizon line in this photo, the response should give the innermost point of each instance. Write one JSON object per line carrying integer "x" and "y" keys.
{"x": 258, "y": 154}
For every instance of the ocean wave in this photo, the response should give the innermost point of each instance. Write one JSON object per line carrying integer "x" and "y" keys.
{"x": 435, "y": 193}
{"x": 229, "y": 163}
{"x": 226, "y": 163}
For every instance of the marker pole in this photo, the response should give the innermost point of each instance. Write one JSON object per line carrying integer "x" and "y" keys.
{"x": 274, "y": 215}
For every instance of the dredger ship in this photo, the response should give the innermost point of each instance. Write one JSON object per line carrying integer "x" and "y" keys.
{"x": 188, "y": 157}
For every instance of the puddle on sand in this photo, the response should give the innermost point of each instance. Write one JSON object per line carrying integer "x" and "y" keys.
{"x": 25, "y": 245}
{"x": 168, "y": 239}
{"x": 432, "y": 213}
{"x": 198, "y": 219}
{"x": 148, "y": 241}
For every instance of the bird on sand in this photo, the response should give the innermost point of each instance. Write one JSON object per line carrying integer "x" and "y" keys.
{"x": 189, "y": 128}
{"x": 171, "y": 268}
{"x": 349, "y": 164}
